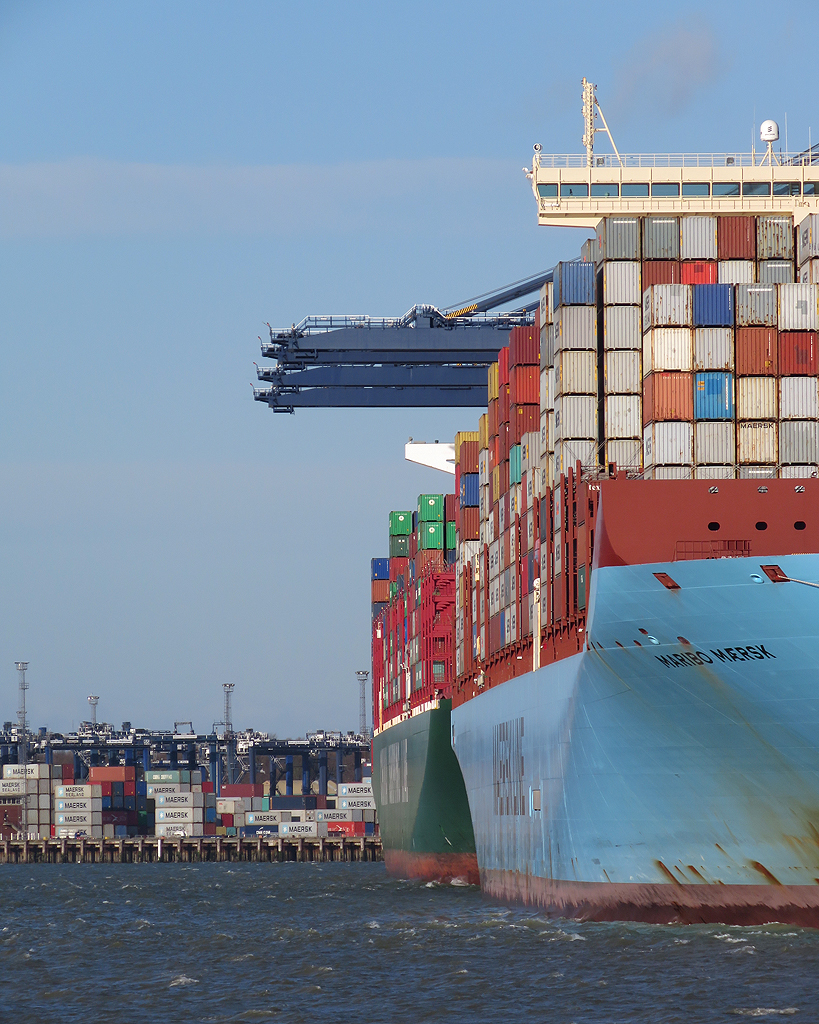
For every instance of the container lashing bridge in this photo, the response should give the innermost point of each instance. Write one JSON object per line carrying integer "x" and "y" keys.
{"x": 427, "y": 357}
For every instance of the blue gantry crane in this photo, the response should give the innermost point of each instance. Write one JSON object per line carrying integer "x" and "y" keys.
{"x": 427, "y": 357}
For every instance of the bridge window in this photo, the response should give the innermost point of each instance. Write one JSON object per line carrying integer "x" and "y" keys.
{"x": 726, "y": 188}
{"x": 577, "y": 190}
{"x": 547, "y": 190}
{"x": 634, "y": 189}
{"x": 756, "y": 188}
{"x": 665, "y": 189}
{"x": 787, "y": 188}
{"x": 696, "y": 188}
{"x": 810, "y": 189}
{"x": 604, "y": 189}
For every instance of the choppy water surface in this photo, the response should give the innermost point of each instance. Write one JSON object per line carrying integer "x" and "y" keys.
{"x": 298, "y": 942}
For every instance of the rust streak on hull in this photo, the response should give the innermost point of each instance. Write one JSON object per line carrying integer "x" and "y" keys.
{"x": 661, "y": 903}
{"x": 432, "y": 867}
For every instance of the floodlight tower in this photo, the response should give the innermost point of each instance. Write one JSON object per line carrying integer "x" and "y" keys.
{"x": 362, "y": 676}
{"x": 229, "y": 743}
{"x": 93, "y": 701}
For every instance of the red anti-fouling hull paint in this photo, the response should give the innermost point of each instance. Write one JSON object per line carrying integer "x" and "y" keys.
{"x": 433, "y": 867}
{"x": 671, "y": 903}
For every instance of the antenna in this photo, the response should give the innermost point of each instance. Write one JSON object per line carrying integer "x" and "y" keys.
{"x": 22, "y": 739}
{"x": 228, "y": 688}
{"x": 591, "y": 108}
{"x": 769, "y": 133}
{"x": 93, "y": 701}
{"x": 362, "y": 675}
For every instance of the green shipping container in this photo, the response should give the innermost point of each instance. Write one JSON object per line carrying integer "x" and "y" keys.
{"x": 451, "y": 536}
{"x": 393, "y": 590}
{"x": 400, "y": 524}
{"x": 399, "y": 547}
{"x": 431, "y": 536}
{"x": 514, "y": 465}
{"x": 430, "y": 508}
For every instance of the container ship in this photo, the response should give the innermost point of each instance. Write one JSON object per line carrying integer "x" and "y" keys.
{"x": 634, "y": 717}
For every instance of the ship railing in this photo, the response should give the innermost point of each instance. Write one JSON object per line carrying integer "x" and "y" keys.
{"x": 611, "y": 160}
{"x": 323, "y": 324}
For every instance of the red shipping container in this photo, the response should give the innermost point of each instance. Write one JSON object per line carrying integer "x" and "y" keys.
{"x": 524, "y": 346}
{"x": 451, "y": 504}
{"x": 661, "y": 272}
{"x": 699, "y": 272}
{"x": 736, "y": 238}
{"x": 523, "y": 419}
{"x": 797, "y": 354}
{"x": 494, "y": 634}
{"x": 524, "y": 385}
{"x": 537, "y": 323}
{"x": 129, "y": 789}
{"x": 380, "y": 591}
{"x": 398, "y": 567}
{"x": 227, "y": 820}
{"x": 347, "y": 828}
{"x": 503, "y": 405}
{"x": 468, "y": 456}
{"x": 208, "y": 787}
{"x": 209, "y": 828}
{"x": 503, "y": 366}
{"x": 243, "y": 789}
{"x": 112, "y": 773}
{"x": 503, "y": 442}
{"x": 470, "y": 524}
{"x": 457, "y": 481}
{"x": 756, "y": 351}
{"x": 429, "y": 561}
{"x": 105, "y": 787}
{"x": 504, "y": 478}
{"x": 413, "y": 544}
{"x": 492, "y": 416}
{"x": 668, "y": 396}
{"x": 457, "y": 518}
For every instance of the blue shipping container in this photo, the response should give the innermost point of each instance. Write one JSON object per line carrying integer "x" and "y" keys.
{"x": 714, "y": 395}
{"x": 380, "y": 568}
{"x": 713, "y": 305}
{"x": 470, "y": 490}
{"x": 451, "y": 556}
{"x": 573, "y": 284}
{"x": 378, "y": 608}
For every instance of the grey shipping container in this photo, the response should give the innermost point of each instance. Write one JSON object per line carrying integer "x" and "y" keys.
{"x": 626, "y": 453}
{"x": 713, "y": 348}
{"x": 799, "y": 472}
{"x": 736, "y": 272}
{"x": 756, "y": 305}
{"x": 621, "y": 283}
{"x": 756, "y": 472}
{"x": 661, "y": 238}
{"x": 698, "y": 238}
{"x": 622, "y": 372}
{"x": 798, "y": 398}
{"x": 622, "y": 327}
{"x": 799, "y": 441}
{"x": 715, "y": 472}
{"x": 776, "y": 272}
{"x": 808, "y": 238}
{"x": 714, "y": 442}
{"x": 618, "y": 238}
{"x": 575, "y": 327}
{"x": 774, "y": 237}
{"x": 757, "y": 398}
{"x": 667, "y": 305}
{"x": 757, "y": 442}
{"x": 623, "y": 416}
{"x": 798, "y": 307}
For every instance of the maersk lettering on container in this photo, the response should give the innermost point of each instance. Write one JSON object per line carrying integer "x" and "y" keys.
{"x": 86, "y": 805}
{"x": 77, "y": 792}
{"x": 155, "y": 790}
{"x": 356, "y": 789}
{"x": 358, "y": 804}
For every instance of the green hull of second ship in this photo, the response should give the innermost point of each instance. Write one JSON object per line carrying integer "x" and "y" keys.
{"x": 423, "y": 811}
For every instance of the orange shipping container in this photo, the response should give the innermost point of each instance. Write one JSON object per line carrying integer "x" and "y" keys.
{"x": 429, "y": 561}
{"x": 668, "y": 396}
{"x": 661, "y": 272}
{"x": 468, "y": 456}
{"x": 524, "y": 385}
{"x": 503, "y": 366}
{"x": 111, "y": 773}
{"x": 492, "y": 417}
{"x": 756, "y": 351}
{"x": 524, "y": 346}
{"x": 797, "y": 354}
{"x": 470, "y": 524}
{"x": 503, "y": 404}
{"x": 380, "y": 591}
{"x": 699, "y": 272}
{"x": 736, "y": 238}
{"x": 523, "y": 419}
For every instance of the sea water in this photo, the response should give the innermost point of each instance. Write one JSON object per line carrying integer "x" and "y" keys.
{"x": 346, "y": 943}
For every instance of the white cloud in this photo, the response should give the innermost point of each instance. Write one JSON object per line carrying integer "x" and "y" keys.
{"x": 98, "y": 197}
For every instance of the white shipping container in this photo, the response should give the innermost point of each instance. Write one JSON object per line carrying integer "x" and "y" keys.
{"x": 575, "y": 373}
{"x": 809, "y": 272}
{"x": 155, "y": 789}
{"x": 757, "y": 442}
{"x": 334, "y": 815}
{"x": 622, "y": 327}
{"x": 507, "y": 630}
{"x": 545, "y": 446}
{"x": 570, "y": 450}
{"x": 179, "y": 830}
{"x": 547, "y": 473}
{"x": 30, "y": 771}
{"x": 799, "y": 472}
{"x": 483, "y": 467}
{"x": 807, "y": 239}
{"x": 44, "y": 801}
{"x": 180, "y": 800}
{"x": 546, "y": 397}
{"x": 698, "y": 238}
{"x": 357, "y": 803}
{"x": 668, "y": 444}
{"x": 273, "y": 817}
{"x": 669, "y": 473}
{"x": 798, "y": 307}
{"x": 67, "y": 792}
{"x": 627, "y": 454}
{"x": 799, "y": 442}
{"x": 756, "y": 398}
{"x": 546, "y": 304}
{"x": 624, "y": 416}
{"x": 715, "y": 472}
{"x": 12, "y": 787}
{"x": 576, "y": 327}
{"x": 667, "y": 348}
{"x": 78, "y": 819}
{"x": 575, "y": 416}
{"x": 736, "y": 272}
{"x": 799, "y": 398}
{"x": 83, "y": 804}
{"x": 494, "y": 596}
{"x": 623, "y": 372}
{"x": 167, "y": 815}
{"x": 713, "y": 348}
{"x": 621, "y": 283}
{"x": 356, "y": 789}
{"x": 667, "y": 305}
{"x": 715, "y": 443}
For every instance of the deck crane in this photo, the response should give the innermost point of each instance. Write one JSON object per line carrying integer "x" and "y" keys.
{"x": 427, "y": 357}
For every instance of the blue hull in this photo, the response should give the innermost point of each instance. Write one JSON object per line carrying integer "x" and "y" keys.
{"x": 674, "y": 780}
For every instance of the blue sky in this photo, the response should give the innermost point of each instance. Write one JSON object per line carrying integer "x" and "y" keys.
{"x": 174, "y": 175}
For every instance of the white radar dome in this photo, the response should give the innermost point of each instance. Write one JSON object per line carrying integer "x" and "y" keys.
{"x": 769, "y": 131}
